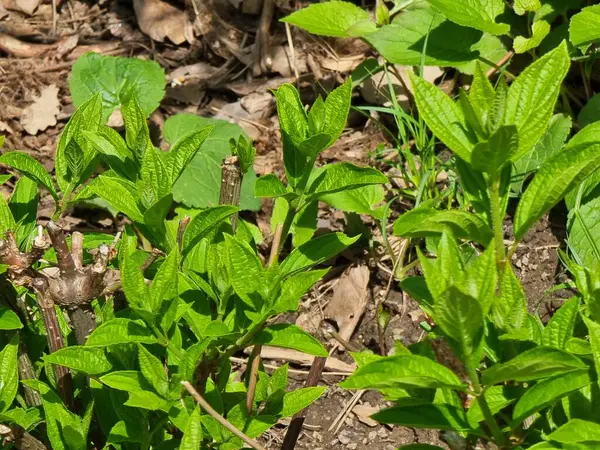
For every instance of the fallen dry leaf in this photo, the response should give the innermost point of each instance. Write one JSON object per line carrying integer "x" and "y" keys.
{"x": 42, "y": 113}
{"x": 4, "y": 127}
{"x": 282, "y": 63}
{"x": 24, "y": 6}
{"x": 344, "y": 64}
{"x": 285, "y": 354}
{"x": 364, "y": 412}
{"x": 348, "y": 301}
{"x": 21, "y": 49}
{"x": 160, "y": 20}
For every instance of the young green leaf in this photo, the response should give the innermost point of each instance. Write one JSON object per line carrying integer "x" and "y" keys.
{"x": 497, "y": 398}
{"x": 113, "y": 149}
{"x": 424, "y": 222}
{"x": 460, "y": 317}
{"x": 289, "y": 336}
{"x": 9, "y": 319}
{"x": 341, "y": 176}
{"x": 192, "y": 437}
{"x": 594, "y": 330}
{"x": 184, "y": 150}
{"x": 269, "y": 186}
{"x": 305, "y": 224}
{"x": 532, "y": 96}
{"x": 479, "y": 14}
{"x": 26, "y": 418}
{"x": 299, "y": 399}
{"x": 31, "y": 168}
{"x": 332, "y": 18}
{"x": 539, "y": 362}
{"x": 584, "y": 28}
{"x": 403, "y": 371}
{"x": 153, "y": 371}
{"x": 576, "y": 430}
{"x": 117, "y": 78}
{"x": 244, "y": 267}
{"x": 120, "y": 331}
{"x": 436, "y": 416}
{"x": 203, "y": 223}
{"x": 294, "y": 287}
{"x": 293, "y": 124}
{"x": 560, "y": 327}
{"x": 315, "y": 252}
{"x": 443, "y": 117}
{"x": 118, "y": 193}
{"x": 89, "y": 360}
{"x": 361, "y": 200}
{"x": 490, "y": 156}
{"x": 546, "y": 392}
{"x": 9, "y": 374}
{"x": 164, "y": 285}
{"x": 562, "y": 172}
{"x": 337, "y": 107}
{"x": 481, "y": 94}
{"x": 134, "y": 285}
{"x": 510, "y": 309}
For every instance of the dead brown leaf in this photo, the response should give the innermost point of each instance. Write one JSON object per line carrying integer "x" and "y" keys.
{"x": 24, "y": 6}
{"x": 285, "y": 354}
{"x": 364, "y": 412}
{"x": 348, "y": 301}
{"x": 160, "y": 20}
{"x": 42, "y": 113}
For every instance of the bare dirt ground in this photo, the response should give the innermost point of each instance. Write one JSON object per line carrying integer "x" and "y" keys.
{"x": 216, "y": 74}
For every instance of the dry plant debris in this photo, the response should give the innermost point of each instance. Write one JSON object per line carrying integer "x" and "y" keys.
{"x": 42, "y": 113}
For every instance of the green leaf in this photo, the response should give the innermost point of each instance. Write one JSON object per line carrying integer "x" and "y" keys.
{"x": 120, "y": 331}
{"x": 490, "y": 156}
{"x": 341, "y": 176}
{"x": 549, "y": 144}
{"x": 332, "y": 18}
{"x": 532, "y": 96}
{"x": 203, "y": 223}
{"x": 497, "y": 398}
{"x": 199, "y": 183}
{"x": 299, "y": 399}
{"x": 244, "y": 266}
{"x": 294, "y": 287}
{"x": 419, "y": 447}
{"x": 25, "y": 418}
{"x": 422, "y": 34}
{"x": 337, "y": 107}
{"x": 293, "y": 124}
{"x": 90, "y": 360}
{"x": 436, "y": 416}
{"x": 547, "y": 392}
{"x": 289, "y": 336}
{"x": 594, "y": 330}
{"x": 113, "y": 149}
{"x": 192, "y": 437}
{"x": 154, "y": 221}
{"x": 523, "y": 6}
{"x": 117, "y": 78}
{"x": 584, "y": 27}
{"x": 9, "y": 319}
{"x": 562, "y": 172}
{"x": 576, "y": 430}
{"x": 539, "y": 30}
{"x": 184, "y": 150}
{"x": 134, "y": 286}
{"x": 479, "y": 14}
{"x": 361, "y": 200}
{"x": 137, "y": 134}
{"x": 31, "y": 168}
{"x": 590, "y": 112}
{"x": 424, "y": 222}
{"x": 560, "y": 327}
{"x": 315, "y": 252}
{"x": 153, "y": 371}
{"x": 460, "y": 317}
{"x": 314, "y": 145}
{"x": 583, "y": 226}
{"x": 539, "y": 362}
{"x": 269, "y": 186}
{"x": 118, "y": 193}
{"x": 305, "y": 224}
{"x": 9, "y": 374}
{"x": 403, "y": 371}
{"x": 443, "y": 117}
{"x": 164, "y": 285}
{"x": 134, "y": 383}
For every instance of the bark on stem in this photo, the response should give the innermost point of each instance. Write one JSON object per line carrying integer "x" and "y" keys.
{"x": 54, "y": 337}
{"x": 231, "y": 184}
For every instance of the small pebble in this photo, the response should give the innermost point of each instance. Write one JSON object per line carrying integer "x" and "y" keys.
{"x": 344, "y": 437}
{"x": 372, "y": 435}
{"x": 382, "y": 433}
{"x": 352, "y": 446}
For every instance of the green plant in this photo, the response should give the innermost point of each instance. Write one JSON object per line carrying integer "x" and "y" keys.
{"x": 514, "y": 382}
{"x": 107, "y": 335}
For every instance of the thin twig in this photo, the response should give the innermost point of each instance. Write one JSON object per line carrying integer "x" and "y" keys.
{"x": 183, "y": 223}
{"x": 274, "y": 255}
{"x": 253, "y": 377}
{"x": 341, "y": 417}
{"x": 77, "y": 249}
{"x": 288, "y": 33}
{"x": 500, "y": 63}
{"x": 219, "y": 418}
{"x": 293, "y": 431}
{"x": 231, "y": 184}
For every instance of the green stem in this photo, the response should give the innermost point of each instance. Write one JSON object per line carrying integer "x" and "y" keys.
{"x": 497, "y": 222}
{"x": 499, "y": 437}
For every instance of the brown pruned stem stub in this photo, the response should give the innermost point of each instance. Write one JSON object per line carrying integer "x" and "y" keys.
{"x": 54, "y": 337}
{"x": 295, "y": 427}
{"x": 231, "y": 184}
{"x": 19, "y": 438}
{"x": 59, "y": 242}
